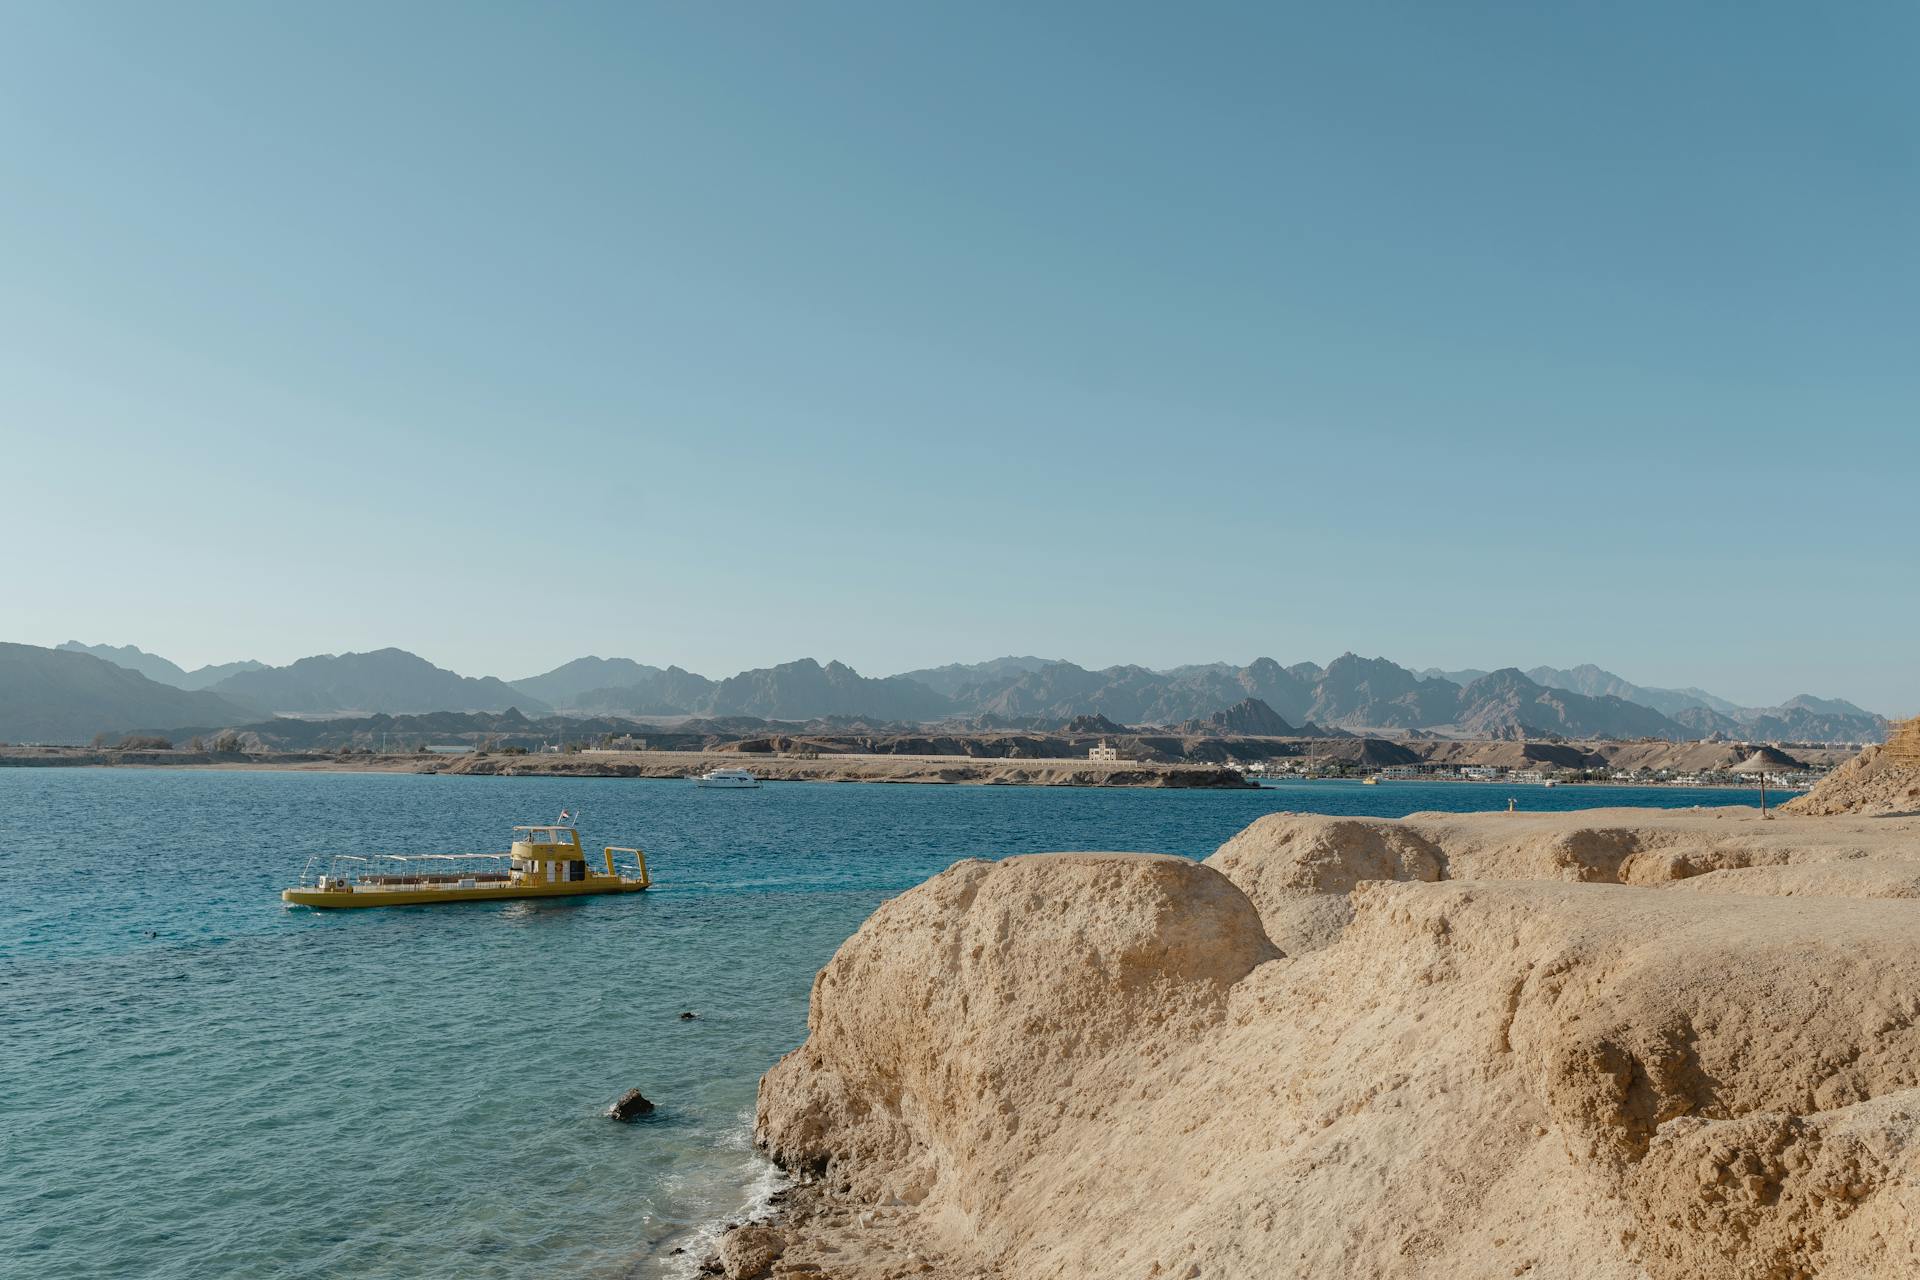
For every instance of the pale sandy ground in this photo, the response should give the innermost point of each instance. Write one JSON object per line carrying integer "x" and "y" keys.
{"x": 1619, "y": 1044}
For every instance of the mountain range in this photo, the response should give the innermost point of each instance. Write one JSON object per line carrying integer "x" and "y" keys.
{"x": 389, "y": 680}
{"x": 56, "y": 695}
{"x": 1595, "y": 683}
{"x": 156, "y": 668}
{"x": 67, "y": 702}
{"x": 955, "y": 676}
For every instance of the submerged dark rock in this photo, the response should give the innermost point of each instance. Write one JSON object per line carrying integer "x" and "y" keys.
{"x": 688, "y": 1016}
{"x": 632, "y": 1105}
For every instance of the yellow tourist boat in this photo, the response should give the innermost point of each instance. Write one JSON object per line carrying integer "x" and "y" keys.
{"x": 545, "y": 862}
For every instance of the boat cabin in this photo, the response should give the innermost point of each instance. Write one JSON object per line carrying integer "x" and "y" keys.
{"x": 549, "y": 854}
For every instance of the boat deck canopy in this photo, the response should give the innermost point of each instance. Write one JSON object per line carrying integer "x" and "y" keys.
{"x": 437, "y": 857}
{"x": 548, "y": 835}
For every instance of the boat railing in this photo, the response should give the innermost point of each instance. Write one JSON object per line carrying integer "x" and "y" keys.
{"x": 326, "y": 871}
{"x": 392, "y": 870}
{"x": 429, "y": 870}
{"x": 639, "y": 863}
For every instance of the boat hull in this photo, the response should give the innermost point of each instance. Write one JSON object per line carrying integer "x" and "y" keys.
{"x": 439, "y": 894}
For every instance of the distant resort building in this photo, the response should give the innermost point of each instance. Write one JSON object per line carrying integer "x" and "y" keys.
{"x": 1431, "y": 771}
{"x": 625, "y": 742}
{"x": 1105, "y": 752}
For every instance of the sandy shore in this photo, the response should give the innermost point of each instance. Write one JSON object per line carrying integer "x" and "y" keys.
{"x": 674, "y": 764}
{"x": 859, "y": 768}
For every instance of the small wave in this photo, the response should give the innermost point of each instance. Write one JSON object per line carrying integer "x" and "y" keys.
{"x": 760, "y": 1181}
{"x": 739, "y": 1137}
{"x": 768, "y": 1181}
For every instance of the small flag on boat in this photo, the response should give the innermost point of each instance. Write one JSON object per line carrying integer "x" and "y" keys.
{"x": 565, "y": 816}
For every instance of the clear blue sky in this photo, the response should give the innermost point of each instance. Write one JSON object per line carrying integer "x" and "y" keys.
{"x": 725, "y": 334}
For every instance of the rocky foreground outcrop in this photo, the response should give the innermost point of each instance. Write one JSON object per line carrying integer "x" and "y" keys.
{"x": 1873, "y": 783}
{"x": 1620, "y": 1044}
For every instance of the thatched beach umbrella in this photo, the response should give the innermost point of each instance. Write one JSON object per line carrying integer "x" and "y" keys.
{"x": 1759, "y": 765}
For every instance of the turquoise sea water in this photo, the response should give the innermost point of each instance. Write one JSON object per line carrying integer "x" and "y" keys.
{"x": 197, "y": 1081}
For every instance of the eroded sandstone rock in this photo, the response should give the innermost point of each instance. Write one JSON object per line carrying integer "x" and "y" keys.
{"x": 747, "y": 1253}
{"x": 1502, "y": 1052}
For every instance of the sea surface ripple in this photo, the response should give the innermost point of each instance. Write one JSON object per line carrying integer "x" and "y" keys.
{"x": 198, "y": 1081}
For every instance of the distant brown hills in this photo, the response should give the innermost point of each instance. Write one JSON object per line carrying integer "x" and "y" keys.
{"x": 72, "y": 698}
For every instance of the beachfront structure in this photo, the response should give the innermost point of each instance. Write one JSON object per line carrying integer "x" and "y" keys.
{"x": 1105, "y": 752}
{"x": 625, "y": 742}
{"x": 1903, "y": 740}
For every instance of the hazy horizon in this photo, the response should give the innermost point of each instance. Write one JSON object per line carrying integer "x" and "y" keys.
{"x": 716, "y": 337}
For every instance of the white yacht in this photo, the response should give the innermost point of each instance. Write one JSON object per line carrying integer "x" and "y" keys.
{"x": 726, "y": 778}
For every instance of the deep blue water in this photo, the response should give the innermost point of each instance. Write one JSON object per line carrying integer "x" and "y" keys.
{"x": 197, "y": 1081}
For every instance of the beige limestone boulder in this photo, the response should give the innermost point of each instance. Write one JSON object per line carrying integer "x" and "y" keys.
{"x": 747, "y": 1253}
{"x": 1612, "y": 1047}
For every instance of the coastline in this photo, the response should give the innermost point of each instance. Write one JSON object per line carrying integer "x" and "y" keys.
{"x": 1276, "y": 782}
{"x": 960, "y": 770}
{"x": 835, "y": 767}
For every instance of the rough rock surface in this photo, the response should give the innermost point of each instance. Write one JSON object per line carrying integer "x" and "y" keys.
{"x": 988, "y": 984}
{"x": 748, "y": 1253}
{"x": 1625, "y": 1045}
{"x": 1299, "y": 869}
{"x": 1873, "y": 783}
